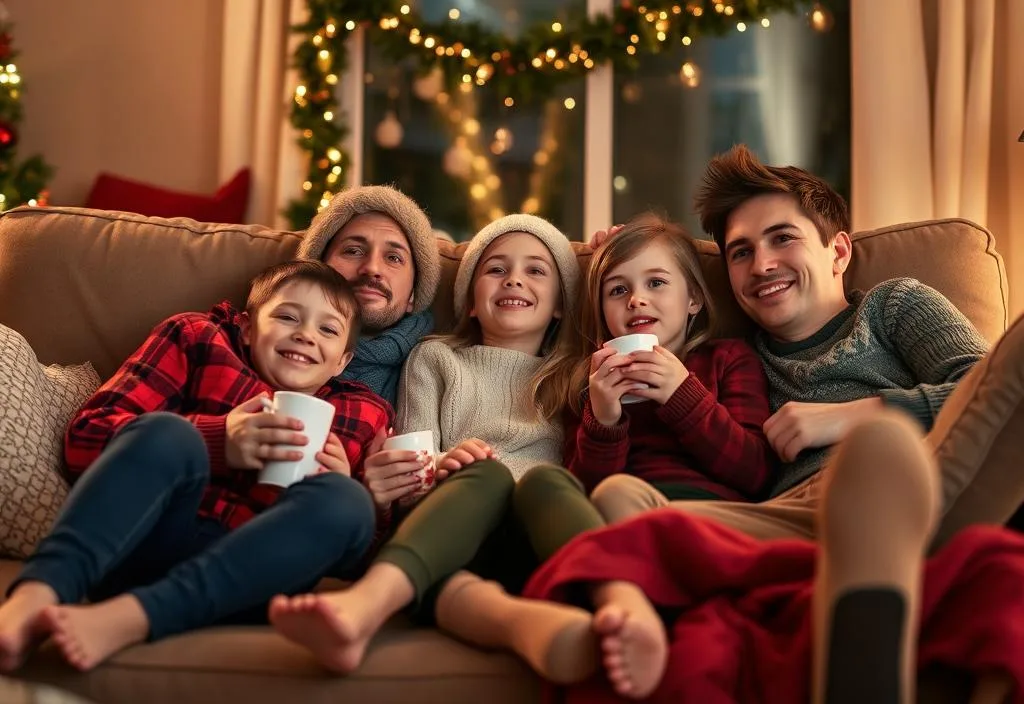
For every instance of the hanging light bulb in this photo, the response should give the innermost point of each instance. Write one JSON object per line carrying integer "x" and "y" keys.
{"x": 429, "y": 86}
{"x": 389, "y": 131}
{"x": 458, "y": 159}
{"x": 689, "y": 74}
{"x": 821, "y": 18}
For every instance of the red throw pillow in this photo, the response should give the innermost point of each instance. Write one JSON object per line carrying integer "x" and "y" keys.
{"x": 227, "y": 205}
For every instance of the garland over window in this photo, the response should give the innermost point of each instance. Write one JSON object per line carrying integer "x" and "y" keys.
{"x": 468, "y": 54}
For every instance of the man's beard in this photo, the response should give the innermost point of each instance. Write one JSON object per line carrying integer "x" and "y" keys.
{"x": 380, "y": 319}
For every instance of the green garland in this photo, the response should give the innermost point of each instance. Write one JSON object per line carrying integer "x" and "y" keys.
{"x": 522, "y": 69}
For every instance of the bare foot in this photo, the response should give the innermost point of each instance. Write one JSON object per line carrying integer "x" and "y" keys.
{"x": 556, "y": 640}
{"x": 633, "y": 639}
{"x": 336, "y": 626}
{"x": 88, "y": 635}
{"x": 21, "y": 627}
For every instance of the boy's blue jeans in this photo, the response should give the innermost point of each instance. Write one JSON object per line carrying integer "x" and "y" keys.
{"x": 130, "y": 525}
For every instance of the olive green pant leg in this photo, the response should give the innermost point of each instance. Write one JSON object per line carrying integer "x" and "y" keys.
{"x": 553, "y": 508}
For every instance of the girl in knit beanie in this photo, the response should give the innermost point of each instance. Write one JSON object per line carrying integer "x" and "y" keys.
{"x": 491, "y": 394}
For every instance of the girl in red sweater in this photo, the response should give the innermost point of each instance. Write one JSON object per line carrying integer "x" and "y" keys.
{"x": 696, "y": 432}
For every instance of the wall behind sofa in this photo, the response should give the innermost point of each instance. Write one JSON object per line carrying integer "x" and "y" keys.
{"x": 121, "y": 85}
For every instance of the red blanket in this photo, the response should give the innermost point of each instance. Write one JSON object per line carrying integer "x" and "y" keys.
{"x": 743, "y": 633}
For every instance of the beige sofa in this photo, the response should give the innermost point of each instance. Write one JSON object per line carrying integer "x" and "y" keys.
{"x": 89, "y": 285}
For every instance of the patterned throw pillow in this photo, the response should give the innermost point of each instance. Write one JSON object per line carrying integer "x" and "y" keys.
{"x": 36, "y": 405}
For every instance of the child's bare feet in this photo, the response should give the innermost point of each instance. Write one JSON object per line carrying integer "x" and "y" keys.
{"x": 88, "y": 635}
{"x": 21, "y": 626}
{"x": 556, "y": 640}
{"x": 337, "y": 626}
{"x": 633, "y": 639}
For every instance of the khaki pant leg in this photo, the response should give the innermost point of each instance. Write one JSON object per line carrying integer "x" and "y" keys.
{"x": 789, "y": 515}
{"x": 978, "y": 439}
{"x": 622, "y": 496}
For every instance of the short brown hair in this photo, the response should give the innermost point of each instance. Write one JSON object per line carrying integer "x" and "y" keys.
{"x": 338, "y": 291}
{"x": 735, "y": 177}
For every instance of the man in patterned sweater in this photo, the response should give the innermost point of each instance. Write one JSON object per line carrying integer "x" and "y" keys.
{"x": 855, "y": 379}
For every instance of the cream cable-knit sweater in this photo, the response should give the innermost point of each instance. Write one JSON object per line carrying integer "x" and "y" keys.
{"x": 477, "y": 392}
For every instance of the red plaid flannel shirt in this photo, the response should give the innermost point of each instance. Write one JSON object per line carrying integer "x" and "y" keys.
{"x": 197, "y": 366}
{"x": 709, "y": 435}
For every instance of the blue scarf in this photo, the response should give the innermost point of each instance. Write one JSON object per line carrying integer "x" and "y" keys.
{"x": 378, "y": 360}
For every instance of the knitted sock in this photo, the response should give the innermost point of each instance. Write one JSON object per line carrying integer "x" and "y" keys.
{"x": 864, "y": 651}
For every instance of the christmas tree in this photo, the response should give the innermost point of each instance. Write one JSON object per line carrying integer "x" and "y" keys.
{"x": 20, "y": 182}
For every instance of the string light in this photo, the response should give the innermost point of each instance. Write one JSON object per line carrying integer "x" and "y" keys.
{"x": 469, "y": 55}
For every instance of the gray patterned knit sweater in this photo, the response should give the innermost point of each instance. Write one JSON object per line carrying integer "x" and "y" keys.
{"x": 477, "y": 392}
{"x": 902, "y": 341}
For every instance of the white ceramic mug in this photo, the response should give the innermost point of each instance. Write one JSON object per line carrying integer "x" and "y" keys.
{"x": 422, "y": 443}
{"x": 633, "y": 343}
{"x": 317, "y": 416}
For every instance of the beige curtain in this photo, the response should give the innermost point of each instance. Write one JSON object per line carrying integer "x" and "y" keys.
{"x": 256, "y": 88}
{"x": 938, "y": 104}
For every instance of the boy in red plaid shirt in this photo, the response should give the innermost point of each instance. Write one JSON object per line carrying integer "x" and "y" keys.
{"x": 166, "y": 528}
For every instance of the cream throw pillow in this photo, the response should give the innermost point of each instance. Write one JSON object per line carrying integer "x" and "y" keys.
{"x": 36, "y": 405}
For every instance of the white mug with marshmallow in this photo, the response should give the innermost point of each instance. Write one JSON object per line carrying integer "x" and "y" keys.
{"x": 317, "y": 417}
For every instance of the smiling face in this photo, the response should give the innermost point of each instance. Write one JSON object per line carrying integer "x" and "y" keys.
{"x": 649, "y": 294}
{"x": 781, "y": 273}
{"x": 298, "y": 338}
{"x": 373, "y": 254}
{"x": 516, "y": 292}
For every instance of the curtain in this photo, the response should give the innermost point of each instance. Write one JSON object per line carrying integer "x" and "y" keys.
{"x": 256, "y": 89}
{"x": 938, "y": 104}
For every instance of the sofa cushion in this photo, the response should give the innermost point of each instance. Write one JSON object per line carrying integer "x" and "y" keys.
{"x": 91, "y": 284}
{"x": 227, "y": 205}
{"x": 36, "y": 404}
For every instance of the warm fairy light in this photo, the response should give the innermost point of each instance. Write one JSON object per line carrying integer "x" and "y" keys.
{"x": 662, "y": 36}
{"x": 323, "y": 55}
{"x": 331, "y": 78}
{"x": 317, "y": 40}
{"x": 556, "y": 27}
{"x": 471, "y": 127}
{"x": 429, "y": 42}
{"x": 465, "y": 53}
{"x": 300, "y": 91}
{"x": 478, "y": 191}
{"x": 531, "y": 205}
{"x": 350, "y": 25}
{"x": 537, "y": 62}
{"x": 334, "y": 154}
{"x": 631, "y": 50}
{"x": 509, "y": 102}
{"x": 689, "y": 74}
{"x": 328, "y": 115}
{"x": 765, "y": 22}
{"x": 330, "y": 28}
{"x": 307, "y": 186}
{"x": 729, "y": 10}
{"x": 687, "y": 41}
{"x": 741, "y": 27}
{"x": 569, "y": 103}
{"x": 454, "y": 14}
{"x": 404, "y": 9}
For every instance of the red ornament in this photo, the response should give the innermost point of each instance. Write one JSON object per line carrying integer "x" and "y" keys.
{"x": 8, "y": 135}
{"x": 5, "y": 46}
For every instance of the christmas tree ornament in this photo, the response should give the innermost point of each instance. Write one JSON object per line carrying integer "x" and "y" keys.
{"x": 8, "y": 135}
{"x": 389, "y": 131}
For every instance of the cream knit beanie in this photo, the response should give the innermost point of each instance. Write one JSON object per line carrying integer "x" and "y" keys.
{"x": 397, "y": 206}
{"x": 557, "y": 243}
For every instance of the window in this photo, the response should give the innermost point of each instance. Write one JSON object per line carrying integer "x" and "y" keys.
{"x": 467, "y": 158}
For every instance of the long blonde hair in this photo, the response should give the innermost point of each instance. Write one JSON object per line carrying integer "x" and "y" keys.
{"x": 550, "y": 383}
{"x": 637, "y": 234}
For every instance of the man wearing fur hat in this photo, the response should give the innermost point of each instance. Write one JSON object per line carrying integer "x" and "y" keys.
{"x": 381, "y": 241}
